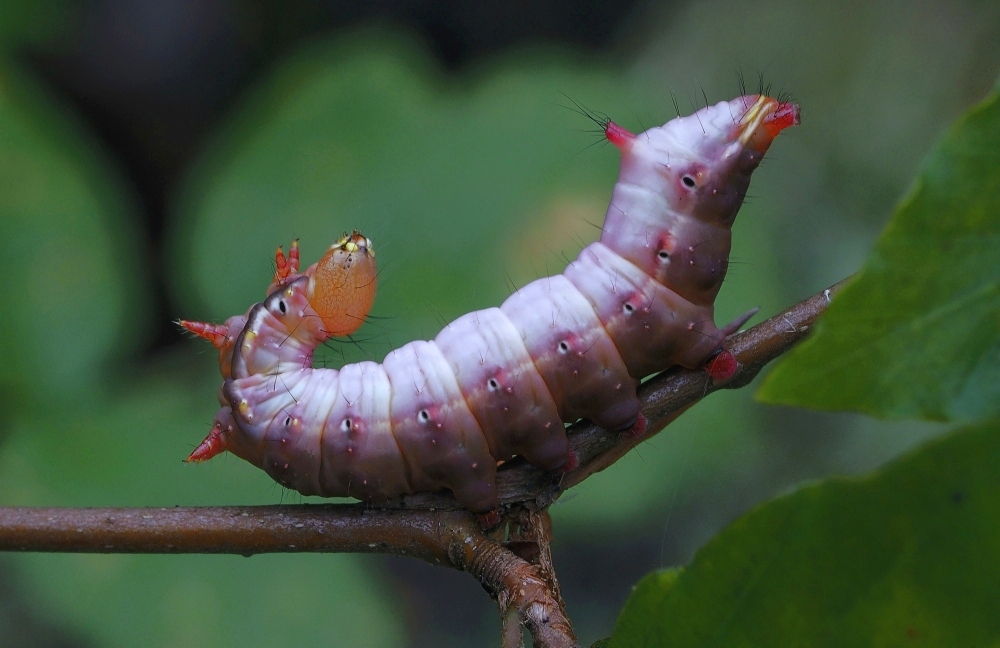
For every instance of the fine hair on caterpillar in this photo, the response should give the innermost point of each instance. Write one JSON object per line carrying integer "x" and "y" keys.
{"x": 502, "y": 381}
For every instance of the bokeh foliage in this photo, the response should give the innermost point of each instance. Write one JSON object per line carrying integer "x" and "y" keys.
{"x": 68, "y": 254}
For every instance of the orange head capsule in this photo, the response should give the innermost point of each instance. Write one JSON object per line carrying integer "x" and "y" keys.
{"x": 342, "y": 284}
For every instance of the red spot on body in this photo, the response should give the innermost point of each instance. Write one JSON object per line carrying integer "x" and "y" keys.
{"x": 666, "y": 243}
{"x": 722, "y": 367}
{"x": 572, "y": 462}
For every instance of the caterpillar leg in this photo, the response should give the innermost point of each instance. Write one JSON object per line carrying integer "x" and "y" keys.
{"x": 638, "y": 428}
{"x": 722, "y": 367}
{"x": 214, "y": 444}
{"x": 285, "y": 267}
{"x": 217, "y": 334}
{"x": 572, "y": 461}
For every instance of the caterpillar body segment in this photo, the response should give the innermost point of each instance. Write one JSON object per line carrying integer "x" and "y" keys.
{"x": 501, "y": 382}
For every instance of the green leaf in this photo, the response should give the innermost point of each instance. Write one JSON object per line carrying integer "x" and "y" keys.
{"x": 908, "y": 556}
{"x": 917, "y": 333}
{"x": 70, "y": 267}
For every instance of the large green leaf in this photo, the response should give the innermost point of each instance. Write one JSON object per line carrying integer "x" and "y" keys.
{"x": 917, "y": 333}
{"x": 908, "y": 556}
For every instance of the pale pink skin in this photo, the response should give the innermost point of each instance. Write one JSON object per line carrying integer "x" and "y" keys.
{"x": 500, "y": 382}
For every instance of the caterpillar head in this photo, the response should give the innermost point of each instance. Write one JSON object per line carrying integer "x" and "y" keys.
{"x": 342, "y": 285}
{"x": 701, "y": 164}
{"x": 330, "y": 298}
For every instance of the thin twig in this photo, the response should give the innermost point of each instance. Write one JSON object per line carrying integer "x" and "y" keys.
{"x": 530, "y": 539}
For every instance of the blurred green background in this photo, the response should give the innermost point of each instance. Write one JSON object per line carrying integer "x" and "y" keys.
{"x": 152, "y": 155}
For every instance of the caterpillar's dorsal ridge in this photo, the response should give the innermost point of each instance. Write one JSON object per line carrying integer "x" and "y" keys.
{"x": 442, "y": 413}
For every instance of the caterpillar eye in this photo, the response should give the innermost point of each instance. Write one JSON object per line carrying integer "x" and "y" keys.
{"x": 563, "y": 347}
{"x": 346, "y": 425}
{"x": 424, "y": 416}
{"x": 492, "y": 384}
{"x": 688, "y": 181}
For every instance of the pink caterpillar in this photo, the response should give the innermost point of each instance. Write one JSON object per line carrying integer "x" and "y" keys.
{"x": 498, "y": 382}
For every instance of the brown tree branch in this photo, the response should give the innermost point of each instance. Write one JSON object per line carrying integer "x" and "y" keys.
{"x": 525, "y": 588}
{"x": 430, "y": 526}
{"x": 530, "y": 538}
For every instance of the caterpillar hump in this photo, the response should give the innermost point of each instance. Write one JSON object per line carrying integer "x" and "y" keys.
{"x": 502, "y": 381}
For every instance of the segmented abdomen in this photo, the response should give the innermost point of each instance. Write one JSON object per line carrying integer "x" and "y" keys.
{"x": 502, "y": 381}
{"x": 493, "y": 384}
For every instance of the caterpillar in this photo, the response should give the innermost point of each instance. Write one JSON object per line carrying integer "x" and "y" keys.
{"x": 499, "y": 382}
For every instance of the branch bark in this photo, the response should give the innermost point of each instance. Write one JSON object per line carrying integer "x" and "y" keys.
{"x": 430, "y": 526}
